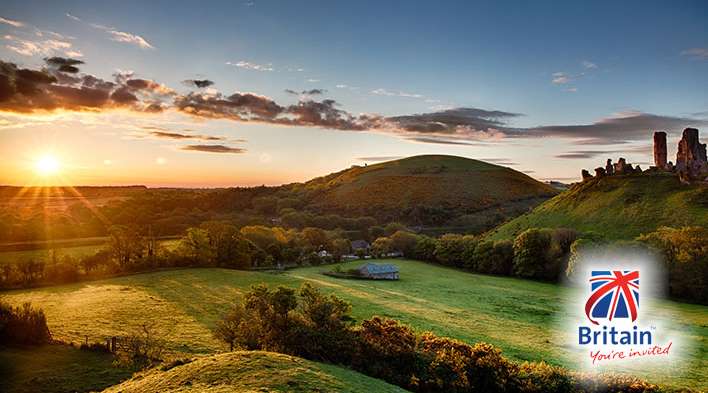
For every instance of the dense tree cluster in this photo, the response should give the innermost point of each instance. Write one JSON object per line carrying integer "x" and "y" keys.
{"x": 168, "y": 212}
{"x": 545, "y": 254}
{"x": 211, "y": 244}
{"x": 310, "y": 324}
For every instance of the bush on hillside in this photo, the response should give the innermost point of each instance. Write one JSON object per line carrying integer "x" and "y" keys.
{"x": 424, "y": 250}
{"x": 23, "y": 325}
{"x": 387, "y": 350}
{"x": 303, "y": 323}
{"x": 531, "y": 257}
{"x": 381, "y": 247}
{"x": 454, "y": 366}
{"x": 449, "y": 250}
{"x": 404, "y": 242}
{"x": 685, "y": 254}
{"x": 495, "y": 257}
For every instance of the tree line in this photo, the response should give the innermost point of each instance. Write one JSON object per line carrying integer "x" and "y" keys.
{"x": 537, "y": 253}
{"x": 552, "y": 254}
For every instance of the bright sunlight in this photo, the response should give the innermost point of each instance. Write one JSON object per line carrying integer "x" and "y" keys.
{"x": 47, "y": 165}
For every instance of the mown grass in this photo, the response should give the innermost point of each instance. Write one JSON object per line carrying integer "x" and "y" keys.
{"x": 521, "y": 317}
{"x": 618, "y": 207}
{"x": 251, "y": 371}
{"x": 56, "y": 369}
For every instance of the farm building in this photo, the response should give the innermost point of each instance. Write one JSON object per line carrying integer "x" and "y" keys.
{"x": 379, "y": 272}
{"x": 360, "y": 245}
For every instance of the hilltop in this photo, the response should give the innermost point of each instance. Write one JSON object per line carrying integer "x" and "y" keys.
{"x": 251, "y": 371}
{"x": 427, "y": 190}
{"x": 618, "y": 207}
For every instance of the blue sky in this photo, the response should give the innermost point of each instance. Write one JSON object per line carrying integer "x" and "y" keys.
{"x": 552, "y": 63}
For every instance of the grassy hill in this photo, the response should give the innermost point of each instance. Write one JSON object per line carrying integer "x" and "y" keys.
{"x": 618, "y": 207}
{"x": 428, "y": 189}
{"x": 520, "y": 316}
{"x": 252, "y": 371}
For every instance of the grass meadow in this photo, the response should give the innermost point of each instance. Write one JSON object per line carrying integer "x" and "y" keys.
{"x": 74, "y": 251}
{"x": 519, "y": 316}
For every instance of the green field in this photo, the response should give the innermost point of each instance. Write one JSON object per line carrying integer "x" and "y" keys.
{"x": 253, "y": 371}
{"x": 617, "y": 207}
{"x": 75, "y": 251}
{"x": 520, "y": 316}
{"x": 57, "y": 369}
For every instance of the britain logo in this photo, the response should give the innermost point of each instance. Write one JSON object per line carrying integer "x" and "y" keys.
{"x": 613, "y": 294}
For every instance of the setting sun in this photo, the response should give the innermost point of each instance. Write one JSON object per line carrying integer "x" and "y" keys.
{"x": 47, "y": 165}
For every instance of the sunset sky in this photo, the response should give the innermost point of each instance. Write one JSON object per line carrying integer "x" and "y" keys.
{"x": 206, "y": 94}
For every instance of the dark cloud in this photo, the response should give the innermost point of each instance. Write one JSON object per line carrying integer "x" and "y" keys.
{"x": 176, "y": 135}
{"x": 311, "y": 92}
{"x": 578, "y": 155}
{"x": 63, "y": 64}
{"x": 630, "y": 126}
{"x": 123, "y": 95}
{"x": 325, "y": 114}
{"x": 61, "y": 61}
{"x": 214, "y": 149}
{"x": 442, "y": 141}
{"x": 378, "y": 158}
{"x": 454, "y": 121}
{"x": 61, "y": 86}
{"x": 252, "y": 107}
{"x": 238, "y": 106}
{"x": 198, "y": 83}
{"x": 24, "y": 90}
{"x": 581, "y": 154}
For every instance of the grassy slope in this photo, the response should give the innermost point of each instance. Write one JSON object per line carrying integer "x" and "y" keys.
{"x": 56, "y": 369}
{"x": 519, "y": 316}
{"x": 429, "y": 180}
{"x": 250, "y": 372}
{"x": 619, "y": 207}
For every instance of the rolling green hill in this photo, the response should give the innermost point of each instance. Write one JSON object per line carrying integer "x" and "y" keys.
{"x": 427, "y": 189}
{"x": 618, "y": 207}
{"x": 519, "y": 316}
{"x": 252, "y": 371}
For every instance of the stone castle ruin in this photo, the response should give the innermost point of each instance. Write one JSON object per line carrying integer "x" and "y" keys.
{"x": 691, "y": 163}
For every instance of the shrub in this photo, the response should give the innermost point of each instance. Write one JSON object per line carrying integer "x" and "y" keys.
{"x": 381, "y": 247}
{"x": 304, "y": 323}
{"x": 541, "y": 377}
{"x": 142, "y": 347}
{"x": 449, "y": 250}
{"x": 685, "y": 254}
{"x": 454, "y": 366}
{"x": 425, "y": 249}
{"x": 531, "y": 253}
{"x": 469, "y": 244}
{"x": 404, "y": 242}
{"x": 495, "y": 257}
{"x": 387, "y": 350}
{"x": 23, "y": 325}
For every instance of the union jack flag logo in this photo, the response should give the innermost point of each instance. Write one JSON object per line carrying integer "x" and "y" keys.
{"x": 614, "y": 294}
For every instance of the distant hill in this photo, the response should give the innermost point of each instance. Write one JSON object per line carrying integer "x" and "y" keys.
{"x": 618, "y": 207}
{"x": 252, "y": 371}
{"x": 427, "y": 190}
